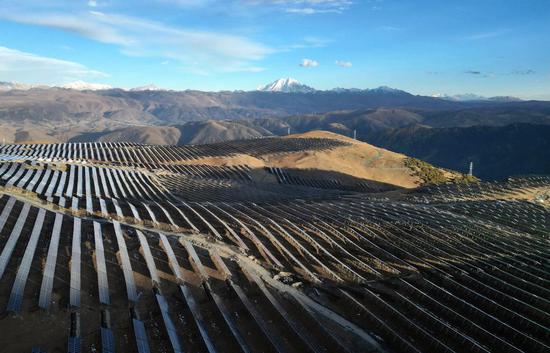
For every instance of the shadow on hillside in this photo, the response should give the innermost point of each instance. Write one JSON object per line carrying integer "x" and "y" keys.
{"x": 325, "y": 179}
{"x": 271, "y": 186}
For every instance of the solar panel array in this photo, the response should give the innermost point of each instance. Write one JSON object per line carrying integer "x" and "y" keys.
{"x": 124, "y": 247}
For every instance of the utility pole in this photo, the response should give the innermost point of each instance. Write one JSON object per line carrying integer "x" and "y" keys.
{"x": 471, "y": 172}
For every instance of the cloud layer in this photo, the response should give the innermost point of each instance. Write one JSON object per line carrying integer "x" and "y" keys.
{"x": 306, "y": 7}
{"x": 17, "y": 65}
{"x": 205, "y": 51}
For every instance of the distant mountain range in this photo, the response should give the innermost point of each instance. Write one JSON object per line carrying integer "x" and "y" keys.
{"x": 384, "y": 116}
{"x": 75, "y": 85}
{"x": 282, "y": 85}
{"x": 498, "y": 151}
{"x": 471, "y": 97}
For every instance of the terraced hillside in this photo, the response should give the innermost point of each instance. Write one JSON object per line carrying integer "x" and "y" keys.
{"x": 118, "y": 247}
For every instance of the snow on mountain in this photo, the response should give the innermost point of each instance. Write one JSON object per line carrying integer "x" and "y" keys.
{"x": 286, "y": 85}
{"x": 149, "y": 87}
{"x": 504, "y": 99}
{"x": 8, "y": 86}
{"x": 385, "y": 89}
{"x": 346, "y": 90}
{"x": 471, "y": 97}
{"x": 85, "y": 86}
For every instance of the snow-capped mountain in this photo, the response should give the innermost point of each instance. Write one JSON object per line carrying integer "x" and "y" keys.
{"x": 504, "y": 99}
{"x": 286, "y": 85}
{"x": 471, "y": 97}
{"x": 76, "y": 85}
{"x": 346, "y": 90}
{"x": 85, "y": 86}
{"x": 385, "y": 89}
{"x": 381, "y": 89}
{"x": 8, "y": 86}
{"x": 149, "y": 87}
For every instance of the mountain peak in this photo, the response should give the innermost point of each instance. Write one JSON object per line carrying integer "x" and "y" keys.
{"x": 149, "y": 87}
{"x": 85, "y": 86}
{"x": 286, "y": 85}
{"x": 13, "y": 85}
{"x": 471, "y": 97}
{"x": 386, "y": 89}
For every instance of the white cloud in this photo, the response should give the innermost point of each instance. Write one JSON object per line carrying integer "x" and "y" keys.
{"x": 488, "y": 35}
{"x": 390, "y": 28}
{"x": 307, "y": 42}
{"x": 202, "y": 50}
{"x": 92, "y": 3}
{"x": 345, "y": 64}
{"x": 17, "y": 65}
{"x": 306, "y": 7}
{"x": 303, "y": 11}
{"x": 309, "y": 63}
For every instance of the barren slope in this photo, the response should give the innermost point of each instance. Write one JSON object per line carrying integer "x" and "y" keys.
{"x": 350, "y": 163}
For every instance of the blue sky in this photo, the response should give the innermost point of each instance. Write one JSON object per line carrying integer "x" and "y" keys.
{"x": 487, "y": 47}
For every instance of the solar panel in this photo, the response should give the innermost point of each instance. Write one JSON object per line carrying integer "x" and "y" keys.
{"x": 295, "y": 326}
{"x": 26, "y": 178}
{"x": 49, "y": 269}
{"x": 118, "y": 210}
{"x": 34, "y": 179}
{"x": 16, "y": 296}
{"x": 4, "y": 166}
{"x": 148, "y": 256}
{"x": 103, "y": 207}
{"x": 122, "y": 177}
{"x": 170, "y": 328}
{"x": 217, "y": 300}
{"x": 125, "y": 262}
{"x": 10, "y": 171}
{"x": 103, "y": 284}
{"x": 16, "y": 177}
{"x": 96, "y": 182}
{"x": 6, "y": 211}
{"x": 79, "y": 181}
{"x": 184, "y": 217}
{"x": 188, "y": 296}
{"x": 130, "y": 176}
{"x": 70, "y": 185}
{"x": 118, "y": 183}
{"x": 43, "y": 181}
{"x": 88, "y": 190}
{"x": 75, "y": 263}
{"x": 103, "y": 182}
{"x": 107, "y": 340}
{"x": 150, "y": 212}
{"x": 167, "y": 214}
{"x": 73, "y": 345}
{"x": 52, "y": 183}
{"x": 12, "y": 240}
{"x": 212, "y": 229}
{"x": 141, "y": 336}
